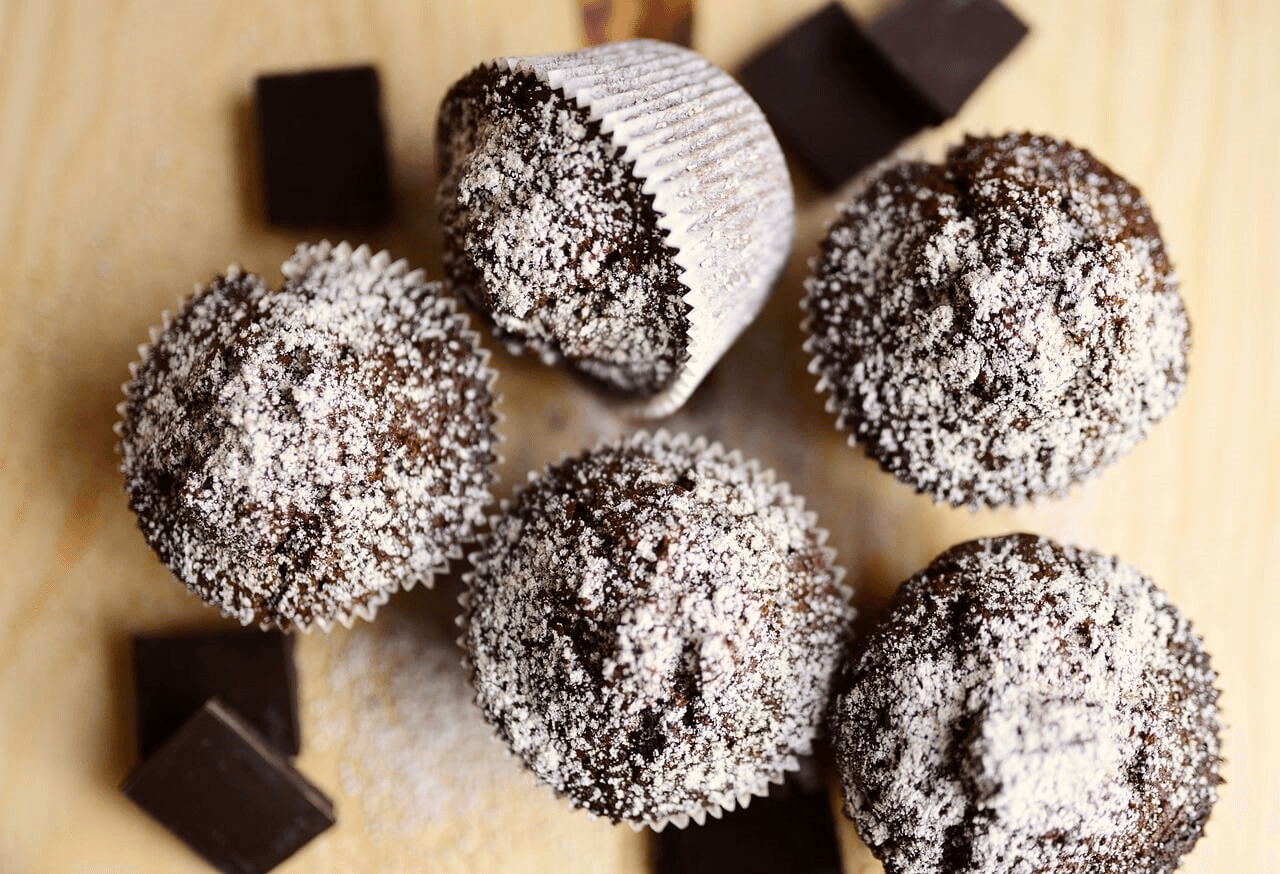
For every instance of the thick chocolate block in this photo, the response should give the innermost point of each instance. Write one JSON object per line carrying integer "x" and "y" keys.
{"x": 219, "y": 787}
{"x": 945, "y": 48}
{"x": 324, "y": 153}
{"x": 251, "y": 671}
{"x": 831, "y": 96}
{"x": 791, "y": 830}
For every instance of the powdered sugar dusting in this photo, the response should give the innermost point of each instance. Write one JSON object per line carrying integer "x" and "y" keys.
{"x": 653, "y": 627}
{"x": 295, "y": 455}
{"x": 414, "y": 750}
{"x": 551, "y": 237}
{"x": 1028, "y": 707}
{"x": 1000, "y": 326}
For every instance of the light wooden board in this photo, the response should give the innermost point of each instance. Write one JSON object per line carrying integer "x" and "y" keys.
{"x": 126, "y": 176}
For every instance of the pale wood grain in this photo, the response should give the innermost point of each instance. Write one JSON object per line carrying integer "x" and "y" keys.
{"x": 126, "y": 176}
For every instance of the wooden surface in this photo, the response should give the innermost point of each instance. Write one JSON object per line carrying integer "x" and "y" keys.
{"x": 126, "y": 175}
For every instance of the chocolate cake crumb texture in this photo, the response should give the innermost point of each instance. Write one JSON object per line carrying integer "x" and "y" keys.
{"x": 653, "y": 628}
{"x": 550, "y": 235}
{"x": 999, "y": 326}
{"x": 295, "y": 455}
{"x": 1029, "y": 707}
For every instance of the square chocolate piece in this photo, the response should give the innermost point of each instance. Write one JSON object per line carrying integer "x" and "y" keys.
{"x": 324, "y": 152}
{"x": 791, "y": 830}
{"x": 945, "y": 48}
{"x": 224, "y": 792}
{"x": 831, "y": 96}
{"x": 251, "y": 671}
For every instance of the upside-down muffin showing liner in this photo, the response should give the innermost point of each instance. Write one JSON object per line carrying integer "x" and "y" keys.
{"x": 999, "y": 326}
{"x": 1029, "y": 707}
{"x": 624, "y": 209}
{"x": 653, "y": 627}
{"x": 295, "y": 455}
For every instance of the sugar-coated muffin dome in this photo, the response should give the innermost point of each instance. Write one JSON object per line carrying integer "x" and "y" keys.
{"x": 997, "y": 327}
{"x": 1026, "y": 706}
{"x": 295, "y": 455}
{"x": 653, "y": 628}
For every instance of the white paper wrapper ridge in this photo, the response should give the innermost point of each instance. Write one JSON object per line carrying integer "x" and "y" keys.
{"x": 703, "y": 150}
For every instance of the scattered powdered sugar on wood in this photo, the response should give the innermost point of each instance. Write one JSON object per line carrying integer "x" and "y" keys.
{"x": 1029, "y": 707}
{"x": 414, "y": 751}
{"x": 294, "y": 455}
{"x": 653, "y": 627}
{"x": 1000, "y": 326}
{"x": 551, "y": 237}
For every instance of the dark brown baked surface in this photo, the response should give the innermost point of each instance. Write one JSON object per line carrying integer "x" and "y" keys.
{"x": 997, "y": 327}
{"x": 552, "y": 239}
{"x": 1029, "y": 707}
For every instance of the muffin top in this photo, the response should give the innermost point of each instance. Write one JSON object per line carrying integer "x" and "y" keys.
{"x": 294, "y": 455}
{"x": 997, "y": 327}
{"x": 551, "y": 237}
{"x": 1028, "y": 707}
{"x": 653, "y": 627}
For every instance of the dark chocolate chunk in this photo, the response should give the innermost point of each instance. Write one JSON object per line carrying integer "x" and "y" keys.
{"x": 324, "y": 154}
{"x": 945, "y": 48}
{"x": 223, "y": 791}
{"x": 791, "y": 830}
{"x": 831, "y": 97}
{"x": 252, "y": 671}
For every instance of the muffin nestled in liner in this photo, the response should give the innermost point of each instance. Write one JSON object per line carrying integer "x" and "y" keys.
{"x": 624, "y": 209}
{"x": 296, "y": 455}
{"x": 653, "y": 626}
{"x": 1000, "y": 326}
{"x": 1026, "y": 706}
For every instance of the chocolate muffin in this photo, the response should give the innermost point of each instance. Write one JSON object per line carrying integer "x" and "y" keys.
{"x": 1029, "y": 707}
{"x": 624, "y": 209}
{"x": 653, "y": 627}
{"x": 997, "y": 327}
{"x": 295, "y": 455}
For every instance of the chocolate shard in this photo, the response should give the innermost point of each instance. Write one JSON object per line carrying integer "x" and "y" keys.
{"x": 831, "y": 96}
{"x": 220, "y": 788}
{"x": 251, "y": 671}
{"x": 791, "y": 830}
{"x": 945, "y": 48}
{"x": 324, "y": 153}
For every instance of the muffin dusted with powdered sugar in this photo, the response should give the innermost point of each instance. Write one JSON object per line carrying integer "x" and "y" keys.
{"x": 1000, "y": 326}
{"x": 1029, "y": 707}
{"x": 653, "y": 628}
{"x": 624, "y": 209}
{"x": 295, "y": 455}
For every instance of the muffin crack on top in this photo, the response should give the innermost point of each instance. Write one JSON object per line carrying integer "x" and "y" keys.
{"x": 295, "y": 455}
{"x": 653, "y": 627}
{"x": 999, "y": 326}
